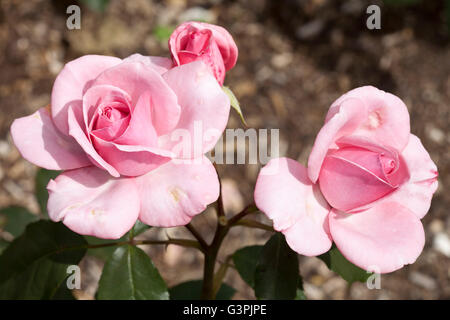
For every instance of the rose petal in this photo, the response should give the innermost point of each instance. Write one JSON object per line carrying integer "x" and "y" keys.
{"x": 130, "y": 160}
{"x": 159, "y": 64}
{"x": 174, "y": 193}
{"x": 135, "y": 152}
{"x": 344, "y": 121}
{"x": 90, "y": 202}
{"x": 76, "y": 131}
{"x": 416, "y": 193}
{"x": 348, "y": 185}
{"x": 209, "y": 53}
{"x": 396, "y": 174}
{"x": 41, "y": 143}
{"x": 286, "y": 195}
{"x": 384, "y": 238}
{"x": 310, "y": 235}
{"x": 140, "y": 130}
{"x": 71, "y": 83}
{"x": 100, "y": 96}
{"x": 387, "y": 119}
{"x": 137, "y": 78}
{"x": 204, "y": 110}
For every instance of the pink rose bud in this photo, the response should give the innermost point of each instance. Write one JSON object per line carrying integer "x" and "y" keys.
{"x": 212, "y": 44}
{"x": 368, "y": 183}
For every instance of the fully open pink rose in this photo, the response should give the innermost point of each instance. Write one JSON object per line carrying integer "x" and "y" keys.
{"x": 116, "y": 126}
{"x": 369, "y": 182}
{"x": 193, "y": 41}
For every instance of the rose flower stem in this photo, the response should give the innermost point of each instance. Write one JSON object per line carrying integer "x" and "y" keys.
{"x": 219, "y": 202}
{"x": 253, "y": 224}
{"x": 251, "y": 208}
{"x": 223, "y": 226}
{"x": 181, "y": 242}
{"x": 197, "y": 236}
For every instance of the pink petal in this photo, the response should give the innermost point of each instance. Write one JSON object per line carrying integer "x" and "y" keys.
{"x": 90, "y": 202}
{"x": 384, "y": 238}
{"x": 73, "y": 81}
{"x": 204, "y": 110}
{"x": 343, "y": 122}
{"x": 174, "y": 193}
{"x": 310, "y": 235}
{"x": 102, "y": 95}
{"x": 387, "y": 120}
{"x": 211, "y": 57}
{"x": 159, "y": 64}
{"x": 416, "y": 193}
{"x": 130, "y": 160}
{"x": 348, "y": 185}
{"x": 76, "y": 131}
{"x": 226, "y": 44}
{"x": 286, "y": 195}
{"x": 41, "y": 143}
{"x": 110, "y": 132}
{"x": 136, "y": 78}
{"x": 394, "y": 169}
{"x": 135, "y": 152}
{"x": 140, "y": 130}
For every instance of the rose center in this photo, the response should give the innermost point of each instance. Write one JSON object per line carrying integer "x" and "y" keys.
{"x": 198, "y": 41}
{"x": 110, "y": 120}
{"x": 354, "y": 176}
{"x": 388, "y": 164}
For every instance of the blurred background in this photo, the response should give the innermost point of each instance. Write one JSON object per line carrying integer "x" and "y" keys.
{"x": 295, "y": 58}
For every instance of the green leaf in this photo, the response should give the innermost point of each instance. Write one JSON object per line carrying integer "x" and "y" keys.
{"x": 130, "y": 275}
{"x": 138, "y": 228}
{"x": 42, "y": 178}
{"x": 14, "y": 219}
{"x": 34, "y": 265}
{"x": 245, "y": 261}
{"x": 192, "y": 290}
{"x": 96, "y": 5}
{"x": 162, "y": 33}
{"x": 347, "y": 270}
{"x": 234, "y": 103}
{"x": 276, "y": 274}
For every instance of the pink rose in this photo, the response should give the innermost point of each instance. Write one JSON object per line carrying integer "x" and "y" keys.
{"x": 193, "y": 41}
{"x": 368, "y": 184}
{"x": 115, "y": 125}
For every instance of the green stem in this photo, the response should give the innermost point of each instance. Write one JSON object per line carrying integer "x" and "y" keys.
{"x": 181, "y": 242}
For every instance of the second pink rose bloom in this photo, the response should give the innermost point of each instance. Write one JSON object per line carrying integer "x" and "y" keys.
{"x": 368, "y": 183}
